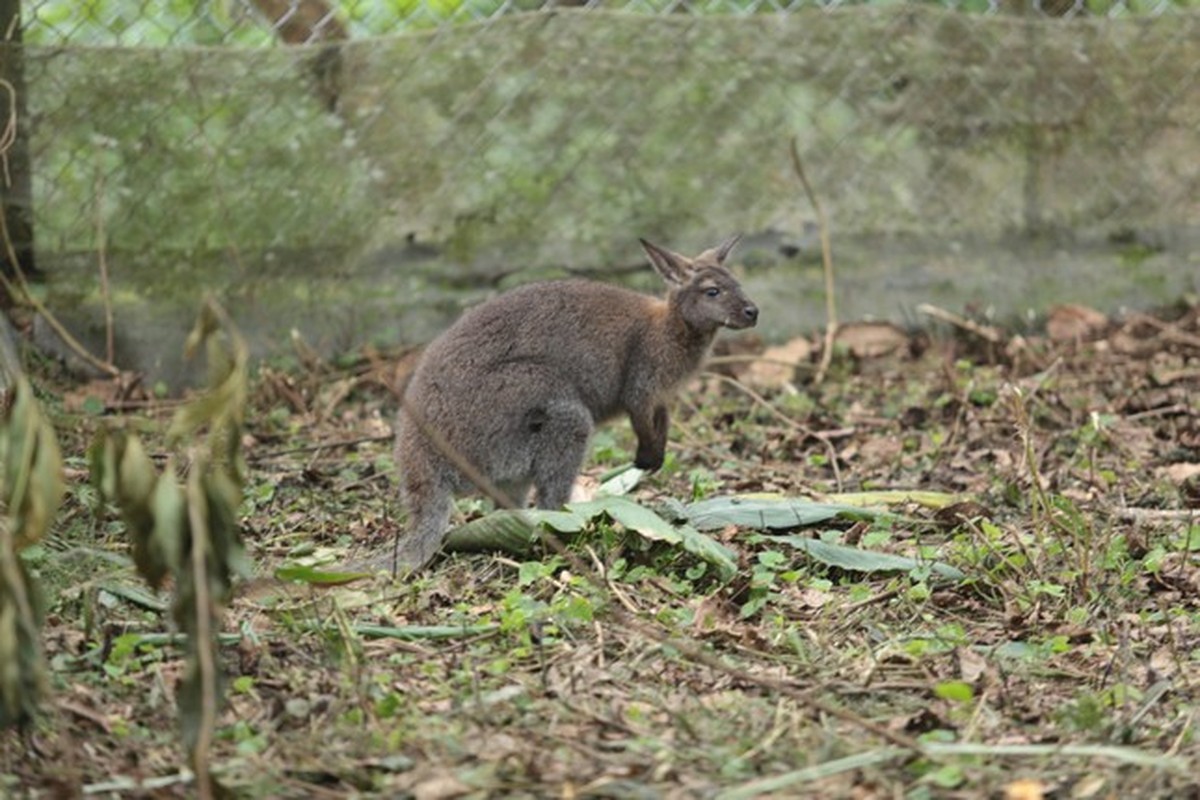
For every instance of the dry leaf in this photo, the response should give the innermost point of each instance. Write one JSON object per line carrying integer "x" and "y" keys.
{"x": 871, "y": 339}
{"x": 775, "y": 369}
{"x": 1178, "y": 473}
{"x": 971, "y": 665}
{"x": 440, "y": 787}
{"x": 1025, "y": 789}
{"x": 1070, "y": 322}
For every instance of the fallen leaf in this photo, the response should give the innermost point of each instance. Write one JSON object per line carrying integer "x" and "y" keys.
{"x": 1070, "y": 322}
{"x": 440, "y": 787}
{"x": 1178, "y": 473}
{"x": 1025, "y": 789}
{"x": 871, "y": 339}
{"x": 776, "y": 368}
{"x": 971, "y": 665}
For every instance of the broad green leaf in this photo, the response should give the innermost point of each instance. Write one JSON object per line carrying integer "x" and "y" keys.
{"x": 651, "y": 526}
{"x": 887, "y": 497}
{"x": 709, "y": 549}
{"x": 317, "y": 577}
{"x": 856, "y": 560}
{"x": 633, "y": 516}
{"x": 510, "y": 530}
{"x": 769, "y": 512}
{"x": 621, "y": 481}
{"x": 515, "y": 531}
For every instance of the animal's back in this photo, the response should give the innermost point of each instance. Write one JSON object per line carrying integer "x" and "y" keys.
{"x": 578, "y": 335}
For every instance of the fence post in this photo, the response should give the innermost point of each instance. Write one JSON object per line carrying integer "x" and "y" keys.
{"x": 16, "y": 185}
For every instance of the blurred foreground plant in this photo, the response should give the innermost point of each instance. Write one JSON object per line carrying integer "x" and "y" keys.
{"x": 31, "y": 487}
{"x": 183, "y": 521}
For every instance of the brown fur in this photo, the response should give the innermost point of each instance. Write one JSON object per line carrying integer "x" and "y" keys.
{"x": 516, "y": 386}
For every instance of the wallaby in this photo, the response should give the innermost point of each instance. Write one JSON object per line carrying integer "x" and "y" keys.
{"x": 516, "y": 385}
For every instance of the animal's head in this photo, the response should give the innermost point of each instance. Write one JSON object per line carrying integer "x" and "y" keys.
{"x": 706, "y": 294}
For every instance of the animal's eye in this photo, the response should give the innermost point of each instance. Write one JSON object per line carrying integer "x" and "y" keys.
{"x": 712, "y": 291}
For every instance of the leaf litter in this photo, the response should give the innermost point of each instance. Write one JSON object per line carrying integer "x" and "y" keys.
{"x": 966, "y": 563}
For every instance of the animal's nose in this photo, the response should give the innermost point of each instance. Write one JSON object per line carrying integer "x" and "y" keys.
{"x": 750, "y": 312}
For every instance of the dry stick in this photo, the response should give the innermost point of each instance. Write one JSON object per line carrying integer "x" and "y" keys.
{"x": 198, "y": 520}
{"x": 831, "y": 323}
{"x": 1155, "y": 514}
{"x": 762, "y": 401}
{"x": 101, "y": 255}
{"x": 1168, "y": 329}
{"x": 715, "y": 361}
{"x": 987, "y": 332}
{"x": 631, "y": 623}
{"x": 22, "y": 289}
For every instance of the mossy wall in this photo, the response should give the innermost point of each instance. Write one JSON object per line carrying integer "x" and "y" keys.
{"x": 962, "y": 158}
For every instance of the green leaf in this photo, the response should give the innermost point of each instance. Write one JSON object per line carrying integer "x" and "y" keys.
{"x": 515, "y": 531}
{"x": 428, "y": 632}
{"x": 956, "y": 691}
{"x": 510, "y": 530}
{"x": 93, "y": 405}
{"x": 856, "y": 560}
{"x": 769, "y": 512}
{"x": 633, "y": 516}
{"x": 934, "y": 500}
{"x": 302, "y": 574}
{"x": 622, "y": 480}
{"x": 651, "y": 526}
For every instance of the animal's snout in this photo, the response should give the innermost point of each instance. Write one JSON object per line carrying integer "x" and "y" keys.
{"x": 750, "y": 313}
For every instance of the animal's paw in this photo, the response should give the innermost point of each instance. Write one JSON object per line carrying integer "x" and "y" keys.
{"x": 648, "y": 461}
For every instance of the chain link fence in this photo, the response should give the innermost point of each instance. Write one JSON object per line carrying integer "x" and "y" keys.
{"x": 330, "y": 162}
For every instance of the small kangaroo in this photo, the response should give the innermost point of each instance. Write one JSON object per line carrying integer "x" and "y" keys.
{"x": 517, "y": 384}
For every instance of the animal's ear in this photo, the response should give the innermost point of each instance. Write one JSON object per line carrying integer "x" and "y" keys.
{"x": 725, "y": 247}
{"x": 715, "y": 256}
{"x": 673, "y": 267}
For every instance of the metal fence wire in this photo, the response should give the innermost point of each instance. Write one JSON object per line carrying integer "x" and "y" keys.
{"x": 498, "y": 132}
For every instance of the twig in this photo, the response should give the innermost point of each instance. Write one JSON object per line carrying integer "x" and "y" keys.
{"x": 713, "y": 361}
{"x": 198, "y": 521}
{"x": 102, "y": 258}
{"x": 1162, "y": 411}
{"x": 1168, "y": 329}
{"x": 831, "y": 323}
{"x": 317, "y": 448}
{"x": 7, "y": 138}
{"x": 987, "y": 332}
{"x": 1156, "y": 514}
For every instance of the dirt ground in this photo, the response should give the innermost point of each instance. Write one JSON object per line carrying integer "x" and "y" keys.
{"x": 1055, "y": 475}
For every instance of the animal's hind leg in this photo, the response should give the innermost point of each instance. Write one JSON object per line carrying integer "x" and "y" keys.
{"x": 428, "y": 518}
{"x": 560, "y": 447}
{"x": 428, "y": 498}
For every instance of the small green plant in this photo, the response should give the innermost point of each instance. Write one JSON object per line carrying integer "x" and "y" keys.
{"x": 768, "y": 571}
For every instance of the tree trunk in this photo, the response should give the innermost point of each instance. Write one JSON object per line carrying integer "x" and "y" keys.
{"x": 311, "y": 22}
{"x": 16, "y": 185}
